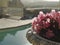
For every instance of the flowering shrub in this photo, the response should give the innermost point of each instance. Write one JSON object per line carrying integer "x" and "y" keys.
{"x": 47, "y": 25}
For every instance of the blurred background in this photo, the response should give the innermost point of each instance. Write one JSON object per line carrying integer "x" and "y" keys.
{"x": 14, "y": 14}
{"x": 25, "y": 9}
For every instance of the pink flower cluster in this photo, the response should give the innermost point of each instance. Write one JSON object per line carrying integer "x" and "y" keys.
{"x": 43, "y": 21}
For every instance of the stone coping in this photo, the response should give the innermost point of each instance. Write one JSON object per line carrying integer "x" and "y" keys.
{"x": 9, "y": 23}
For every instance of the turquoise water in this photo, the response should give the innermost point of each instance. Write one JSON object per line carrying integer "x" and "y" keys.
{"x": 15, "y": 36}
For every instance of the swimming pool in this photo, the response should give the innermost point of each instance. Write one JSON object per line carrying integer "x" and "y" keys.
{"x": 14, "y": 36}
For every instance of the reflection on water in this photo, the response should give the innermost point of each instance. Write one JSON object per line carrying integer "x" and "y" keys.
{"x": 14, "y": 38}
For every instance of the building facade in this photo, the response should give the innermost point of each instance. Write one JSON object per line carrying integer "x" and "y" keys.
{"x": 14, "y": 8}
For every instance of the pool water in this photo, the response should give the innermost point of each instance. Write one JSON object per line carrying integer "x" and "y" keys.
{"x": 14, "y": 37}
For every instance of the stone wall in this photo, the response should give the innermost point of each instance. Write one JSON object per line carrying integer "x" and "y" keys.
{"x": 14, "y": 12}
{"x": 4, "y": 3}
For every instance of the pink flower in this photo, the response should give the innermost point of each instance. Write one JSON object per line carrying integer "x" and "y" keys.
{"x": 49, "y": 34}
{"x": 46, "y": 24}
{"x": 38, "y": 28}
{"x": 58, "y": 17}
{"x": 44, "y": 21}
{"x": 41, "y": 15}
{"x": 49, "y": 15}
{"x": 54, "y": 13}
{"x": 34, "y": 23}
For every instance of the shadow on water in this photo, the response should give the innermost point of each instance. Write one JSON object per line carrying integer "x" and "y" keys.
{"x": 14, "y": 36}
